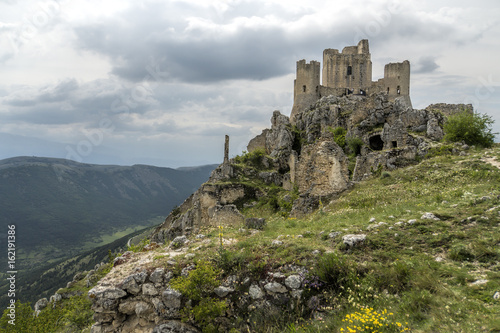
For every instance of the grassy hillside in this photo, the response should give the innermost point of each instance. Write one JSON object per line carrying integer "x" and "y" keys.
{"x": 414, "y": 272}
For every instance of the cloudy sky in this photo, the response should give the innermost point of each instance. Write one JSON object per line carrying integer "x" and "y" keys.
{"x": 161, "y": 82}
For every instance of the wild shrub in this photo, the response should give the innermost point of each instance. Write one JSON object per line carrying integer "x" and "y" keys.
{"x": 253, "y": 159}
{"x": 339, "y": 136}
{"x": 440, "y": 150}
{"x": 198, "y": 286}
{"x": 472, "y": 128}
{"x": 200, "y": 282}
{"x": 355, "y": 144}
{"x": 335, "y": 271}
{"x": 461, "y": 253}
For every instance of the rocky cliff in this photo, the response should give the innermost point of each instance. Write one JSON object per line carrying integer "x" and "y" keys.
{"x": 306, "y": 155}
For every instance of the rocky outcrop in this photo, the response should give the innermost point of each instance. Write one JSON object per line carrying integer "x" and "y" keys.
{"x": 144, "y": 301}
{"x": 322, "y": 169}
{"x": 306, "y": 155}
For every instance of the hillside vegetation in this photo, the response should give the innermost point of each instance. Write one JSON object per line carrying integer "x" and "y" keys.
{"x": 429, "y": 261}
{"x": 61, "y": 208}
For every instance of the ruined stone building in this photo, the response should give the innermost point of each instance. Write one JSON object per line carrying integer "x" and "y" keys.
{"x": 344, "y": 73}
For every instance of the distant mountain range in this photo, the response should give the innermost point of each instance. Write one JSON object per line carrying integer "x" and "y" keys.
{"x": 61, "y": 207}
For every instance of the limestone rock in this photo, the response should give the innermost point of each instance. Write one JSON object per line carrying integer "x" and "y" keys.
{"x": 172, "y": 298}
{"x": 255, "y": 223}
{"x": 293, "y": 281}
{"x": 334, "y": 234}
{"x": 143, "y": 310}
{"x": 222, "y": 291}
{"x": 127, "y": 307}
{"x": 434, "y": 130}
{"x": 157, "y": 275}
{"x": 149, "y": 289}
{"x": 321, "y": 169}
{"x": 354, "y": 240}
{"x": 275, "y": 287}
{"x": 40, "y": 305}
{"x": 430, "y": 216}
{"x": 174, "y": 326}
{"x": 179, "y": 241}
{"x": 227, "y": 215}
{"x": 107, "y": 293}
{"x": 255, "y": 292}
{"x": 130, "y": 285}
{"x": 55, "y": 298}
{"x": 259, "y": 142}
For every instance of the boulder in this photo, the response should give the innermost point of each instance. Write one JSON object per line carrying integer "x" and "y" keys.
{"x": 255, "y": 223}
{"x": 293, "y": 282}
{"x": 149, "y": 289}
{"x": 255, "y": 292}
{"x": 172, "y": 298}
{"x": 158, "y": 275}
{"x": 40, "y": 305}
{"x": 354, "y": 240}
{"x": 223, "y": 291}
{"x": 174, "y": 326}
{"x": 275, "y": 287}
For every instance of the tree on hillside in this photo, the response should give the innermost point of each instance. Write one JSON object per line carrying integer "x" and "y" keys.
{"x": 472, "y": 128}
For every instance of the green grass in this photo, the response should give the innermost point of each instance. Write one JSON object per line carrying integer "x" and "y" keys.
{"x": 417, "y": 276}
{"x": 396, "y": 269}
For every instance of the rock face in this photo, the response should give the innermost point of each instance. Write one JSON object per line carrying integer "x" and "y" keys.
{"x": 322, "y": 170}
{"x": 381, "y": 134}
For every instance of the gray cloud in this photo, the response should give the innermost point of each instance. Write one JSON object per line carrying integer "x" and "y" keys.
{"x": 425, "y": 64}
{"x": 181, "y": 75}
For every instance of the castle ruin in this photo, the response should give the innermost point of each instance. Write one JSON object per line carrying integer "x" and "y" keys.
{"x": 345, "y": 73}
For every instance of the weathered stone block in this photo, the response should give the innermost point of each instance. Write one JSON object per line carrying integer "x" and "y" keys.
{"x": 255, "y": 223}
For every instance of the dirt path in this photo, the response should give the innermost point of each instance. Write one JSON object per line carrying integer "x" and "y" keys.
{"x": 492, "y": 161}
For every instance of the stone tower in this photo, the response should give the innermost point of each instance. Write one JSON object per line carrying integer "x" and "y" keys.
{"x": 351, "y": 69}
{"x": 306, "y": 85}
{"x": 396, "y": 80}
{"x": 347, "y": 72}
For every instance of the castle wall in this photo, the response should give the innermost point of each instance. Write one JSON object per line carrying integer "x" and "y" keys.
{"x": 397, "y": 79}
{"x": 344, "y": 73}
{"x": 351, "y": 69}
{"x": 306, "y": 85}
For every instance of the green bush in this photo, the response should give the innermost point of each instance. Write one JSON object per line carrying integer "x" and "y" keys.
{"x": 461, "y": 253}
{"x": 339, "y": 136}
{"x": 472, "y": 128}
{"x": 206, "y": 311}
{"x": 198, "y": 286}
{"x": 355, "y": 145}
{"x": 252, "y": 159}
{"x": 336, "y": 271}
{"x": 199, "y": 283}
